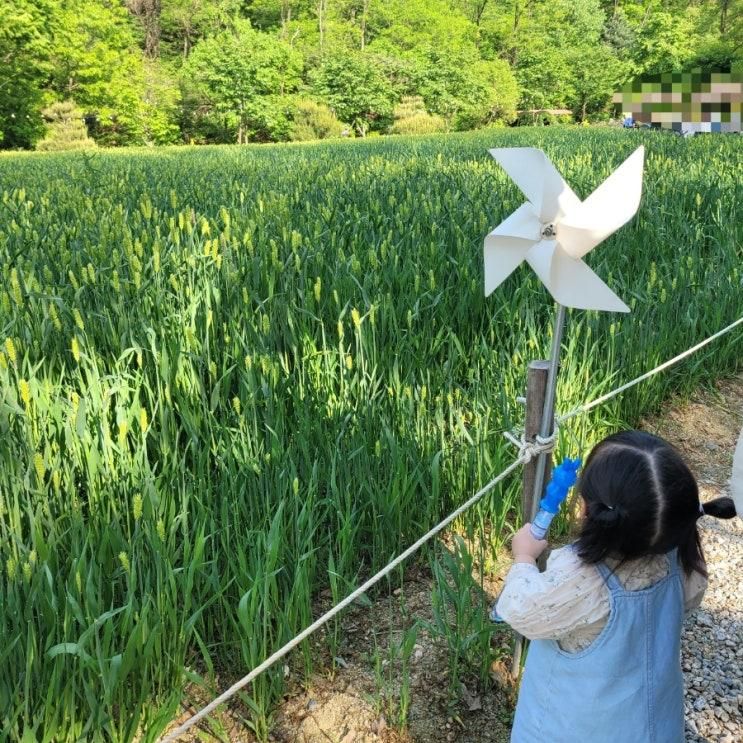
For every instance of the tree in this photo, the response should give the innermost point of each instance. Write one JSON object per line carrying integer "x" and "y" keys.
{"x": 357, "y": 91}
{"x": 598, "y": 73}
{"x": 26, "y": 27}
{"x": 97, "y": 64}
{"x": 184, "y": 22}
{"x": 243, "y": 75}
{"x": 466, "y": 90}
{"x": 148, "y": 13}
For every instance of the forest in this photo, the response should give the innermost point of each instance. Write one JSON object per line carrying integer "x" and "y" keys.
{"x": 158, "y": 72}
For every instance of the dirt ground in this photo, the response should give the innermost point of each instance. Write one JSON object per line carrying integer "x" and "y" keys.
{"x": 357, "y": 697}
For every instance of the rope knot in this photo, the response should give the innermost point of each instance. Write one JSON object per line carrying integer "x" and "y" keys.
{"x": 528, "y": 450}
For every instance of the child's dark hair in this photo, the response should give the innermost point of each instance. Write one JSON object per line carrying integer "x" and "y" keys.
{"x": 642, "y": 499}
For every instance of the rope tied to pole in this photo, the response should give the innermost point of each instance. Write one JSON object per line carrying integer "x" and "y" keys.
{"x": 528, "y": 450}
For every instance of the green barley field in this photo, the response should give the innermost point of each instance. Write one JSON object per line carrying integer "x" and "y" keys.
{"x": 231, "y": 378}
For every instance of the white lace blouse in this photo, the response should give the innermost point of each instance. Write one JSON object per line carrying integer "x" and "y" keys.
{"x": 569, "y": 601}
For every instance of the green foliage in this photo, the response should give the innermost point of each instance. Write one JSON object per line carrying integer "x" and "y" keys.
{"x": 411, "y": 117}
{"x": 95, "y": 62}
{"x": 232, "y": 378}
{"x": 26, "y": 27}
{"x": 312, "y": 120}
{"x": 357, "y": 91}
{"x": 466, "y": 91}
{"x": 66, "y": 130}
{"x": 460, "y": 616}
{"x": 243, "y": 75}
{"x": 474, "y": 62}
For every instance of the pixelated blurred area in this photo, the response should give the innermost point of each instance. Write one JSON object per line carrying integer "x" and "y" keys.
{"x": 686, "y": 102}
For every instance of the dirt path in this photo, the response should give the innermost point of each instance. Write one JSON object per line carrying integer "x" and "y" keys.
{"x": 360, "y": 700}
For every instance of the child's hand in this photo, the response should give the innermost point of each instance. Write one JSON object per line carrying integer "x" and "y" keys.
{"x": 524, "y": 547}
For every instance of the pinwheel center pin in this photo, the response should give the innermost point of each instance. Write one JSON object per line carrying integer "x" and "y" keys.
{"x": 548, "y": 231}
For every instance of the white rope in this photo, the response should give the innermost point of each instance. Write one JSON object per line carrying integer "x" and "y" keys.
{"x": 527, "y": 451}
{"x": 609, "y": 395}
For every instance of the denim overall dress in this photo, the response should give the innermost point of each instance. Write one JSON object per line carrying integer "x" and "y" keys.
{"x": 626, "y": 687}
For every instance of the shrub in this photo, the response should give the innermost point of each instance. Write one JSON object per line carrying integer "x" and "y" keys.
{"x": 314, "y": 120}
{"x": 67, "y": 130}
{"x": 411, "y": 117}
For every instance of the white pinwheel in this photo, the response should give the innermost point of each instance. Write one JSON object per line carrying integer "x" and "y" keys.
{"x": 554, "y": 229}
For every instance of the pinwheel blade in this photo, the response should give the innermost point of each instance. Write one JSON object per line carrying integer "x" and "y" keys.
{"x": 523, "y": 223}
{"x": 541, "y": 183}
{"x": 503, "y": 255}
{"x": 540, "y": 259}
{"x": 609, "y": 207}
{"x": 574, "y": 284}
{"x": 736, "y": 482}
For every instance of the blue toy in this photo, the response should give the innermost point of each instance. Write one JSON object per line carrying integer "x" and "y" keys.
{"x": 564, "y": 476}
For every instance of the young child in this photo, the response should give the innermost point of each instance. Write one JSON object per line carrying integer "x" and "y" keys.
{"x": 605, "y": 617}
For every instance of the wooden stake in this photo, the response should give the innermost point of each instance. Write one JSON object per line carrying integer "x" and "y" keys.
{"x": 536, "y": 393}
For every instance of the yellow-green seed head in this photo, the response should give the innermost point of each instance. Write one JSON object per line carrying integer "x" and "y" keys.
{"x": 143, "y": 422}
{"x": 137, "y": 507}
{"x": 39, "y": 467}
{"x": 15, "y": 286}
{"x": 27, "y": 571}
{"x": 124, "y": 560}
{"x": 236, "y": 405}
{"x": 161, "y": 530}
{"x": 10, "y": 350}
{"x": 78, "y": 319}
{"x": 24, "y": 390}
{"x": 54, "y": 317}
{"x": 75, "y": 349}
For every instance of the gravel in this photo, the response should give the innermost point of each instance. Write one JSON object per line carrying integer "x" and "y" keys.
{"x": 712, "y": 640}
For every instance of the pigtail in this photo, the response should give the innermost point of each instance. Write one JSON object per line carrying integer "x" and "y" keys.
{"x": 720, "y": 508}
